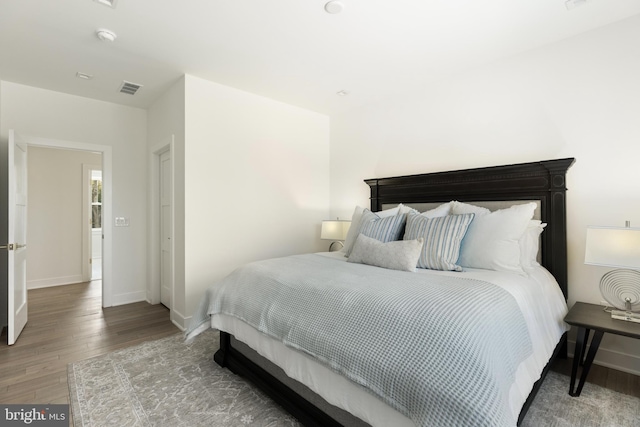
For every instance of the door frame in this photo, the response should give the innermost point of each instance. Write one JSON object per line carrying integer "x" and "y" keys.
{"x": 107, "y": 174}
{"x": 153, "y": 286}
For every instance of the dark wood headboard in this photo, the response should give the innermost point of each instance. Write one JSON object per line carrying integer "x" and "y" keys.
{"x": 543, "y": 181}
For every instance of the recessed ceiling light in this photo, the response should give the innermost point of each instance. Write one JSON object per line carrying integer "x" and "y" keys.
{"x": 334, "y": 7}
{"x": 342, "y": 93}
{"x": 571, "y": 4}
{"x": 106, "y": 35}
{"x": 110, "y": 3}
{"x": 84, "y": 76}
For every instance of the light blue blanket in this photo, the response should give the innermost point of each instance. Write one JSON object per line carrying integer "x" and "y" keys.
{"x": 441, "y": 350}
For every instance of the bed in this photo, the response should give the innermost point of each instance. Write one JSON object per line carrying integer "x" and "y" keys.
{"x": 301, "y": 364}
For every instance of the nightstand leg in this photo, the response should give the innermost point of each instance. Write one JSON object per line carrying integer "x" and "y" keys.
{"x": 593, "y": 349}
{"x": 577, "y": 358}
{"x": 584, "y": 346}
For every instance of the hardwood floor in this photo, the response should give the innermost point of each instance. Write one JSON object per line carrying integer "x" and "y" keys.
{"x": 612, "y": 379}
{"x": 66, "y": 324}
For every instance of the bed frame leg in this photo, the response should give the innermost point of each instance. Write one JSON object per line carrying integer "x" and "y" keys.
{"x": 220, "y": 356}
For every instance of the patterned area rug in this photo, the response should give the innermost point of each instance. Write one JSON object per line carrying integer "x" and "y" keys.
{"x": 170, "y": 383}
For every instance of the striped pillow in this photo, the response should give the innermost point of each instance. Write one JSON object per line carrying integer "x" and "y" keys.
{"x": 383, "y": 229}
{"x": 442, "y": 239}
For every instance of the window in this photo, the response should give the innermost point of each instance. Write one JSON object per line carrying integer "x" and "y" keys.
{"x": 96, "y": 199}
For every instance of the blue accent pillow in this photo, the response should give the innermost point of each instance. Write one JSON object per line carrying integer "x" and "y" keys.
{"x": 442, "y": 239}
{"x": 383, "y": 229}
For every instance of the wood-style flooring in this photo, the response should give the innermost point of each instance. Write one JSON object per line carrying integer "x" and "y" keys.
{"x": 66, "y": 324}
{"x": 612, "y": 379}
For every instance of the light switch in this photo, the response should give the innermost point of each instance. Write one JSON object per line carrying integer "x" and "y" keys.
{"x": 122, "y": 221}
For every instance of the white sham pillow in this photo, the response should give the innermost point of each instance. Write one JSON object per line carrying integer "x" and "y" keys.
{"x": 395, "y": 255}
{"x": 437, "y": 212}
{"x": 492, "y": 240}
{"x": 459, "y": 208}
{"x": 530, "y": 244}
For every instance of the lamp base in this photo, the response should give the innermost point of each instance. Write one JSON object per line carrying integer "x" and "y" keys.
{"x": 625, "y": 315}
{"x": 333, "y": 243}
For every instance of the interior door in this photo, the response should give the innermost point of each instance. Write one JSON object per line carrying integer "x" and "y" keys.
{"x": 17, "y": 245}
{"x": 166, "y": 247}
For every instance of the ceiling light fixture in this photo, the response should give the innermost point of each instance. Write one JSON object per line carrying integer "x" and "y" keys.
{"x": 109, "y": 3}
{"x": 334, "y": 7}
{"x": 342, "y": 93}
{"x": 572, "y": 4}
{"x": 106, "y": 35}
{"x": 84, "y": 76}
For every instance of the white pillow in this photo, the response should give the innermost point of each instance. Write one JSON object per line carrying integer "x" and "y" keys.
{"x": 356, "y": 218}
{"x": 459, "y": 208}
{"x": 406, "y": 209}
{"x": 396, "y": 255}
{"x": 492, "y": 240}
{"x": 529, "y": 244}
{"x": 437, "y": 212}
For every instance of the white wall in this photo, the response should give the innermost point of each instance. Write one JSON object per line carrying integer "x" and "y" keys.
{"x": 166, "y": 117}
{"x": 577, "y": 98}
{"x": 47, "y": 114}
{"x": 54, "y": 218}
{"x": 256, "y": 181}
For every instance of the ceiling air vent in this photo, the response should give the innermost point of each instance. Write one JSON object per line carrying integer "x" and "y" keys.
{"x": 129, "y": 88}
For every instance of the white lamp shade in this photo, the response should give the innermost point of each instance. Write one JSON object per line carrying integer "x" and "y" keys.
{"x": 334, "y": 230}
{"x": 613, "y": 247}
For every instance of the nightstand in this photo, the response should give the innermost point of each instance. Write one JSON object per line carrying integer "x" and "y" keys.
{"x": 589, "y": 317}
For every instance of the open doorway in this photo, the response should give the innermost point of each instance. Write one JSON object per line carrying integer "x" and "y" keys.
{"x": 56, "y": 197}
{"x": 64, "y": 213}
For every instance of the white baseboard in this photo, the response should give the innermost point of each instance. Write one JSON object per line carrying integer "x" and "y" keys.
{"x": 613, "y": 359}
{"x": 179, "y": 320}
{"x": 129, "y": 298}
{"x": 54, "y": 281}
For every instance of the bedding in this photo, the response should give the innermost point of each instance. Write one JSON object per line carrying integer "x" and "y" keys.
{"x": 492, "y": 241}
{"x": 530, "y": 244}
{"x": 504, "y": 324}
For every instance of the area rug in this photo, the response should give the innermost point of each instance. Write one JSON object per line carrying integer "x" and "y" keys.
{"x": 170, "y": 383}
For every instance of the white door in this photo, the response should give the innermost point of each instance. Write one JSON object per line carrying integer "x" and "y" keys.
{"x": 17, "y": 245}
{"x": 166, "y": 221}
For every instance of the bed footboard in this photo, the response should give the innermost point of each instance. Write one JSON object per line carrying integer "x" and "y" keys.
{"x": 306, "y": 412}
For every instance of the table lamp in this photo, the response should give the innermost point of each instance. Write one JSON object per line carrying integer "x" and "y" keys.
{"x": 617, "y": 247}
{"x": 335, "y": 230}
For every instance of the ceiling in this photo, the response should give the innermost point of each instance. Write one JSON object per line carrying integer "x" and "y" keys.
{"x": 289, "y": 50}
